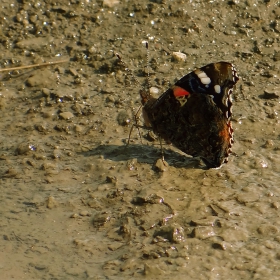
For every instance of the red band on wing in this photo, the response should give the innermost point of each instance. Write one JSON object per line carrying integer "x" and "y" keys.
{"x": 178, "y": 91}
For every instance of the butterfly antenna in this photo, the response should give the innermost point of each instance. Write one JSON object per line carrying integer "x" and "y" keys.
{"x": 148, "y": 68}
{"x": 128, "y": 70}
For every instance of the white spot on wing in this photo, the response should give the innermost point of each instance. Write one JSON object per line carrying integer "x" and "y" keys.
{"x": 202, "y": 75}
{"x": 217, "y": 88}
{"x": 205, "y": 81}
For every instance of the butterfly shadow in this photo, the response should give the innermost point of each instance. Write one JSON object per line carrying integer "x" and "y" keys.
{"x": 143, "y": 154}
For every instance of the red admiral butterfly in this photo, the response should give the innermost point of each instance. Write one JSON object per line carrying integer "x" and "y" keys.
{"x": 194, "y": 114}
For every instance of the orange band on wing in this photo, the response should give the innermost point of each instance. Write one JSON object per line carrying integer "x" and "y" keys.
{"x": 178, "y": 91}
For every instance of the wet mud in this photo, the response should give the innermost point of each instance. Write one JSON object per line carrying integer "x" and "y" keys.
{"x": 76, "y": 203}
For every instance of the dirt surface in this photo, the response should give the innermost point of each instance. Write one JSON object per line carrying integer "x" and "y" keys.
{"x": 75, "y": 202}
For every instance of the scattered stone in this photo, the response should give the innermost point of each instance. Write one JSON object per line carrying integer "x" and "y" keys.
{"x": 48, "y": 165}
{"x": 268, "y": 230}
{"x": 74, "y": 72}
{"x": 128, "y": 264}
{"x": 41, "y": 267}
{"x": 35, "y": 43}
{"x": 51, "y": 202}
{"x": 56, "y": 153}
{"x": 74, "y": 216}
{"x": 123, "y": 118}
{"x": 208, "y": 221}
{"x": 48, "y": 114}
{"x": 88, "y": 110}
{"x": 77, "y": 108}
{"x": 46, "y": 92}
{"x": 248, "y": 197}
{"x": 92, "y": 50}
{"x": 78, "y": 128}
{"x": 11, "y": 173}
{"x": 100, "y": 219}
{"x": 24, "y": 148}
{"x": 173, "y": 233}
{"x": 41, "y": 127}
{"x": 60, "y": 70}
{"x": 154, "y": 91}
{"x": 31, "y": 162}
{"x": 84, "y": 213}
{"x": 111, "y": 179}
{"x": 234, "y": 234}
{"x": 2, "y": 102}
{"x": 66, "y": 115}
{"x": 110, "y": 3}
{"x": 271, "y": 93}
{"x": 178, "y": 56}
{"x": 49, "y": 180}
{"x": 203, "y": 232}
{"x": 132, "y": 164}
{"x": 276, "y": 204}
{"x": 268, "y": 144}
{"x": 42, "y": 78}
{"x": 114, "y": 246}
{"x": 110, "y": 99}
{"x": 161, "y": 165}
{"x": 153, "y": 271}
{"x": 147, "y": 196}
{"x": 221, "y": 245}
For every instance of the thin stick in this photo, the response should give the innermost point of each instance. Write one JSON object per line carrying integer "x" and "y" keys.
{"x": 34, "y": 65}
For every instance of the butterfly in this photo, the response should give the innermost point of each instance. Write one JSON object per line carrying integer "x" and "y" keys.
{"x": 194, "y": 114}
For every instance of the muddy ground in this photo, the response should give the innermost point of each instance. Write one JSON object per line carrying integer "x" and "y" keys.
{"x": 75, "y": 202}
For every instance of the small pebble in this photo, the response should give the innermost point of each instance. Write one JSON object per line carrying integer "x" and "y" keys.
{"x": 23, "y": 148}
{"x": 78, "y": 128}
{"x": 74, "y": 216}
{"x": 178, "y": 56}
{"x": 110, "y": 3}
{"x": 46, "y": 92}
{"x": 154, "y": 91}
{"x": 152, "y": 271}
{"x": 51, "y": 202}
{"x": 73, "y": 72}
{"x": 66, "y": 115}
{"x": 161, "y": 165}
{"x": 84, "y": 213}
{"x": 203, "y": 232}
{"x": 48, "y": 114}
{"x": 271, "y": 93}
{"x": 123, "y": 118}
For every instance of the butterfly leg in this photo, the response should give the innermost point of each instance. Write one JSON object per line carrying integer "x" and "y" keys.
{"x": 162, "y": 152}
{"x": 128, "y": 141}
{"x": 137, "y": 126}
